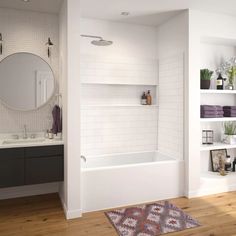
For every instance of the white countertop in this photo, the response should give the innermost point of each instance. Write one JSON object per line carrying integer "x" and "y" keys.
{"x": 39, "y": 140}
{"x": 46, "y": 142}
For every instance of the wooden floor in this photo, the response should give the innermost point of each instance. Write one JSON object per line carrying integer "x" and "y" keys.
{"x": 43, "y": 216}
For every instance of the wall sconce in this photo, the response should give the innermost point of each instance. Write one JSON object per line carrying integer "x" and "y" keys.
{"x": 1, "y": 40}
{"x": 50, "y": 45}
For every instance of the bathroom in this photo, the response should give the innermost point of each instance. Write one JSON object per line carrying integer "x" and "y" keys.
{"x": 118, "y": 135}
{"x": 80, "y": 128}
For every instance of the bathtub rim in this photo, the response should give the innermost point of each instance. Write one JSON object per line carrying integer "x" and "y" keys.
{"x": 171, "y": 160}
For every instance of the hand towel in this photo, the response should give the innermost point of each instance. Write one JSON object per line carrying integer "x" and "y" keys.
{"x": 57, "y": 120}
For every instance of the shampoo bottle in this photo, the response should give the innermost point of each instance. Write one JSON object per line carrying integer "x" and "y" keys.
{"x": 149, "y": 98}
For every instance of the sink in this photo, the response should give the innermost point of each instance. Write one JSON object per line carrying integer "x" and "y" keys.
{"x": 22, "y": 141}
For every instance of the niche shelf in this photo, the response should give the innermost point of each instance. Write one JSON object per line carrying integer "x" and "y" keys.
{"x": 119, "y": 105}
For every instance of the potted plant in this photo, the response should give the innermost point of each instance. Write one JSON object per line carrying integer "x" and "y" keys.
{"x": 229, "y": 134}
{"x": 231, "y": 76}
{"x": 205, "y": 78}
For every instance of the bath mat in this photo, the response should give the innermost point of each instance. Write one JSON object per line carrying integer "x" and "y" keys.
{"x": 150, "y": 219}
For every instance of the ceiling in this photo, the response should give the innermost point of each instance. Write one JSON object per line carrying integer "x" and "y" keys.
{"x": 48, "y": 6}
{"x": 150, "y": 12}
{"x": 147, "y": 12}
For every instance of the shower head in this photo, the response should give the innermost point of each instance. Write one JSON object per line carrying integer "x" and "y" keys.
{"x": 99, "y": 42}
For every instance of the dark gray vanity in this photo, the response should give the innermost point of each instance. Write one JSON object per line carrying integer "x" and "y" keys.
{"x": 31, "y": 165}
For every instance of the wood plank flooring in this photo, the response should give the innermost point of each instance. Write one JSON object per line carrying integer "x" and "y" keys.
{"x": 43, "y": 216}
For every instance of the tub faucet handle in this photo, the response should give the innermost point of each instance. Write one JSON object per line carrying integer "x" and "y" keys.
{"x": 84, "y": 158}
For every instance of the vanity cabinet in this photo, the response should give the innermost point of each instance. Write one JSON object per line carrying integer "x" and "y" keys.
{"x": 11, "y": 167}
{"x": 31, "y": 165}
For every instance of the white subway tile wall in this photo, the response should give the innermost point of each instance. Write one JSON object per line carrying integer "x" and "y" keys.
{"x": 108, "y": 130}
{"x": 25, "y": 31}
{"x": 118, "y": 70}
{"x": 171, "y": 106}
{"x": 113, "y": 121}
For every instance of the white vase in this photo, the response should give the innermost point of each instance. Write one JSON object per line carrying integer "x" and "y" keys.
{"x": 229, "y": 139}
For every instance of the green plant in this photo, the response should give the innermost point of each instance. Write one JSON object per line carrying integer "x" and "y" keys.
{"x": 229, "y": 128}
{"x": 206, "y": 74}
{"x": 231, "y": 74}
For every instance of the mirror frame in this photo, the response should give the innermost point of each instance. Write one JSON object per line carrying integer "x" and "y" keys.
{"x": 50, "y": 98}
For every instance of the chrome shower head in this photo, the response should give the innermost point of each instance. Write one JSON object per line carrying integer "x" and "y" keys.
{"x": 99, "y": 42}
{"x": 102, "y": 42}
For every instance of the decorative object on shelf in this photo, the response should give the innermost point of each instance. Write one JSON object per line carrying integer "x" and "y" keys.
{"x": 218, "y": 158}
{"x": 205, "y": 78}
{"x": 1, "y": 41}
{"x": 229, "y": 133}
{"x": 234, "y": 164}
{"x": 211, "y": 111}
{"x": 207, "y": 137}
{"x": 227, "y": 68}
{"x": 220, "y": 82}
{"x": 50, "y": 45}
{"x": 228, "y": 163}
{"x": 149, "y": 98}
{"x": 231, "y": 77}
{"x": 144, "y": 99}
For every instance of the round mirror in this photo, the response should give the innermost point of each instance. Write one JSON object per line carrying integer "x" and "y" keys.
{"x": 26, "y": 81}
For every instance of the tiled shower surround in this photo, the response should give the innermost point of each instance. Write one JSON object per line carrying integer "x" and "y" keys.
{"x": 25, "y": 31}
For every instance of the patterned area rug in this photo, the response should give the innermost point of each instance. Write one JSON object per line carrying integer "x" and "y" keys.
{"x": 150, "y": 220}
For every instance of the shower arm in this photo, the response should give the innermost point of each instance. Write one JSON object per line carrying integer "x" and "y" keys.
{"x": 91, "y": 36}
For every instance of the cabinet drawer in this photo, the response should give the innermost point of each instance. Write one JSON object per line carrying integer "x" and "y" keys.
{"x": 44, "y": 169}
{"x": 44, "y": 151}
{"x": 11, "y": 167}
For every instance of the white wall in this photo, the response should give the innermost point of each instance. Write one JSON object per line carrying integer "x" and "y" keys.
{"x": 69, "y": 61}
{"x": 25, "y": 31}
{"x": 202, "y": 25}
{"x": 172, "y": 51}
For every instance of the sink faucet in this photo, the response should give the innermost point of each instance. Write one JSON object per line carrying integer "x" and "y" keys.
{"x": 25, "y": 136}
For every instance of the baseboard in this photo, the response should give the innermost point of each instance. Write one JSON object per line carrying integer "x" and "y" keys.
{"x": 28, "y": 190}
{"x": 70, "y": 214}
{"x": 210, "y": 191}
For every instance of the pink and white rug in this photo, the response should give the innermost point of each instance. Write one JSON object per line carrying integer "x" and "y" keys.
{"x": 150, "y": 219}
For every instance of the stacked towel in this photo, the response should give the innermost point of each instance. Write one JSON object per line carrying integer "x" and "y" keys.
{"x": 208, "y": 111}
{"x": 229, "y": 111}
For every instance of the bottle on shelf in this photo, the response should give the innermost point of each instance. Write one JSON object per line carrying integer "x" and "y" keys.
{"x": 220, "y": 82}
{"x": 228, "y": 163}
{"x": 234, "y": 164}
{"x": 149, "y": 98}
{"x": 144, "y": 99}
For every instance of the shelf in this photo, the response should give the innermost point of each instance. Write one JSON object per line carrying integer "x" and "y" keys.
{"x": 216, "y": 146}
{"x": 120, "y": 105}
{"x": 218, "y": 119}
{"x": 216, "y": 176}
{"x": 91, "y": 83}
{"x": 214, "y": 91}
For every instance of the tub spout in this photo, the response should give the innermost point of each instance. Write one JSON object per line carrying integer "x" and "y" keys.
{"x": 84, "y": 158}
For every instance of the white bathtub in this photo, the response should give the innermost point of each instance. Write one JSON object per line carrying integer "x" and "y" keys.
{"x": 127, "y": 179}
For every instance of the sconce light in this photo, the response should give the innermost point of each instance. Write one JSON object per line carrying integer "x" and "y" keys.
{"x": 1, "y": 40}
{"x": 49, "y": 44}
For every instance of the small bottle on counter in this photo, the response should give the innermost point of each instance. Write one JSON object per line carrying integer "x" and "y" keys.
{"x": 144, "y": 99}
{"x": 149, "y": 98}
{"x": 50, "y": 134}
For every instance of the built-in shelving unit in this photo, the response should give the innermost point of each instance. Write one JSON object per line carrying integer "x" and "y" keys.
{"x": 213, "y": 53}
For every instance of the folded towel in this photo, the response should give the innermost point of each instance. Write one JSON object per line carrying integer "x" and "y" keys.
{"x": 212, "y": 112}
{"x": 211, "y": 116}
{"x": 229, "y": 114}
{"x": 229, "y": 107}
{"x": 211, "y": 108}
